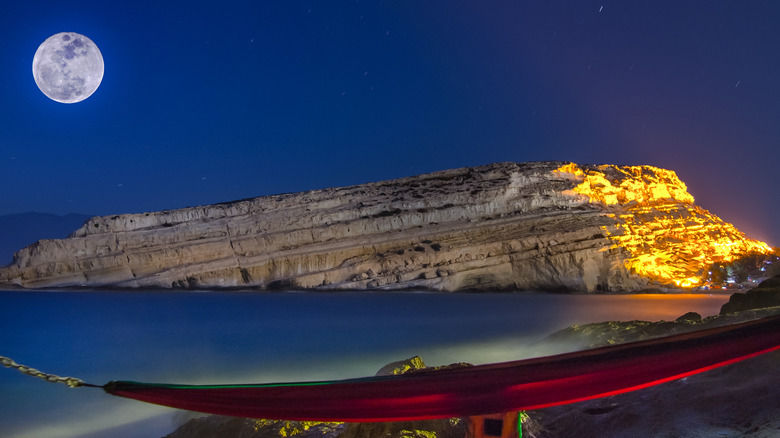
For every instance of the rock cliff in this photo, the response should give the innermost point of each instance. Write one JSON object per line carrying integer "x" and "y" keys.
{"x": 543, "y": 225}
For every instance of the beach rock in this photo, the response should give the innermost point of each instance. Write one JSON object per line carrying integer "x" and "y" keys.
{"x": 766, "y": 294}
{"x": 599, "y": 334}
{"x": 402, "y": 366}
{"x": 544, "y": 225}
{"x": 451, "y": 428}
{"x": 689, "y": 318}
{"x": 216, "y": 426}
{"x": 582, "y": 337}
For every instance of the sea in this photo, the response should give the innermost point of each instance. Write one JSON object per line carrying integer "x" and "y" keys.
{"x": 263, "y": 337}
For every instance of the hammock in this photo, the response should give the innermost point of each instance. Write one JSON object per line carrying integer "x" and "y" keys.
{"x": 477, "y": 390}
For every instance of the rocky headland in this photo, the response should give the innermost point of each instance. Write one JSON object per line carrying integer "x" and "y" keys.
{"x": 543, "y": 225}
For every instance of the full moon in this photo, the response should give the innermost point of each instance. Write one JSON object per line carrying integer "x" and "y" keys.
{"x": 68, "y": 67}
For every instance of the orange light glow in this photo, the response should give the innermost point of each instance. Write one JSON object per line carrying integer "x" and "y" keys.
{"x": 667, "y": 238}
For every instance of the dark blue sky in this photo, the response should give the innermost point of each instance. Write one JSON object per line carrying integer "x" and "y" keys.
{"x": 205, "y": 102}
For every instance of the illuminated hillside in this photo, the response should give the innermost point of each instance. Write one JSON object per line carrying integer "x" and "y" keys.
{"x": 667, "y": 238}
{"x": 502, "y": 226}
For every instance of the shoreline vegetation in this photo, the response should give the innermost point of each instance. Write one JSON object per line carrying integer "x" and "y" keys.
{"x": 729, "y": 401}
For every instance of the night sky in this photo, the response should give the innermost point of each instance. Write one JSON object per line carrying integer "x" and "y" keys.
{"x": 205, "y": 102}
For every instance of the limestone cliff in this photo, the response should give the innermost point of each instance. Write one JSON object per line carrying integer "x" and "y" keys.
{"x": 546, "y": 225}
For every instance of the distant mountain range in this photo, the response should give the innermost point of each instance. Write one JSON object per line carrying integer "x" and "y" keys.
{"x": 22, "y": 229}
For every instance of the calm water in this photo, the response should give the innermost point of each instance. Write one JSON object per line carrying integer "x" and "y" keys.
{"x": 262, "y": 337}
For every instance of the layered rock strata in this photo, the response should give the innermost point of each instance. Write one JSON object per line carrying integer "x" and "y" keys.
{"x": 544, "y": 225}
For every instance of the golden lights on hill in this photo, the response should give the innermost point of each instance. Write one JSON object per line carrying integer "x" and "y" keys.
{"x": 667, "y": 238}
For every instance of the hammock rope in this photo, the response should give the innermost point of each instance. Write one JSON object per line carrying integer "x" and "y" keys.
{"x": 24, "y": 369}
{"x": 477, "y": 390}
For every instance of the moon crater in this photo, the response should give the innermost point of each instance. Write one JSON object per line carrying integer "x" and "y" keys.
{"x": 68, "y": 67}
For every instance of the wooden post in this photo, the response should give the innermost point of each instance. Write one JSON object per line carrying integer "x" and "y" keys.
{"x": 494, "y": 426}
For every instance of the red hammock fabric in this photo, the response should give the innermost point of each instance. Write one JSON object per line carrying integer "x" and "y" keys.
{"x": 478, "y": 390}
